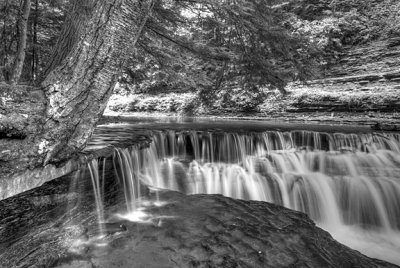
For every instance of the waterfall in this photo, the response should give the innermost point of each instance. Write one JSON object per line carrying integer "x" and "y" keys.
{"x": 334, "y": 178}
{"x": 98, "y": 190}
{"x": 127, "y": 176}
{"x": 340, "y": 180}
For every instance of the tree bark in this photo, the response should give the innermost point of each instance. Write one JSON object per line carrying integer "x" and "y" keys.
{"x": 3, "y": 64}
{"x": 74, "y": 26}
{"x": 79, "y": 86}
{"x": 23, "y": 32}
{"x": 35, "y": 56}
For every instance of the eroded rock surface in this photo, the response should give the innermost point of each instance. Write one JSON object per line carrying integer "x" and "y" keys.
{"x": 54, "y": 226}
{"x": 215, "y": 231}
{"x": 365, "y": 79}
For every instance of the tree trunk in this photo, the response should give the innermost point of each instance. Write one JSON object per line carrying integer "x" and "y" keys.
{"x": 3, "y": 64}
{"x": 35, "y": 56}
{"x": 48, "y": 125}
{"x": 79, "y": 86}
{"x": 23, "y": 30}
{"x": 74, "y": 26}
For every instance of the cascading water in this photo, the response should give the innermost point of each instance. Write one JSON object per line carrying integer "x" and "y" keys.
{"x": 128, "y": 177}
{"x": 98, "y": 190}
{"x": 348, "y": 183}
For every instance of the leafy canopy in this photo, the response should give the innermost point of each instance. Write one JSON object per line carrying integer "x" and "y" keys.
{"x": 204, "y": 45}
{"x": 209, "y": 45}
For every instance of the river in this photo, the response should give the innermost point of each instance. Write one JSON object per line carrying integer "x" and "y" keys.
{"x": 345, "y": 178}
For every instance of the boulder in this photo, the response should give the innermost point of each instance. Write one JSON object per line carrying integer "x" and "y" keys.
{"x": 187, "y": 231}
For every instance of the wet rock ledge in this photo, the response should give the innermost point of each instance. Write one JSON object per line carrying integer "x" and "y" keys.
{"x": 216, "y": 231}
{"x": 187, "y": 231}
{"x": 15, "y": 183}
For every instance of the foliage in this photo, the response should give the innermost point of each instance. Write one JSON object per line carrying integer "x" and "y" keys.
{"x": 239, "y": 100}
{"x": 185, "y": 103}
{"x": 344, "y": 22}
{"x": 236, "y": 47}
{"x": 335, "y": 25}
{"x": 217, "y": 45}
{"x": 44, "y": 24}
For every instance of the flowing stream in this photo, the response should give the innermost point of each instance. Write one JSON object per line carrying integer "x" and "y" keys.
{"x": 349, "y": 184}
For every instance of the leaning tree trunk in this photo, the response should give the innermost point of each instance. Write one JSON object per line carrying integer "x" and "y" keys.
{"x": 49, "y": 124}
{"x": 78, "y": 89}
{"x": 23, "y": 34}
{"x": 74, "y": 26}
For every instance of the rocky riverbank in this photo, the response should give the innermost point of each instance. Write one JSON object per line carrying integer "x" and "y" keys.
{"x": 362, "y": 86}
{"x": 365, "y": 79}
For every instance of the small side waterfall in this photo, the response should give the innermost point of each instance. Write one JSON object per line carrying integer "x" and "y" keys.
{"x": 342, "y": 181}
{"x": 98, "y": 190}
{"x": 127, "y": 175}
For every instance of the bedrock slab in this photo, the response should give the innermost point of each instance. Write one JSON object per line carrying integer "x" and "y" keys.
{"x": 186, "y": 231}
